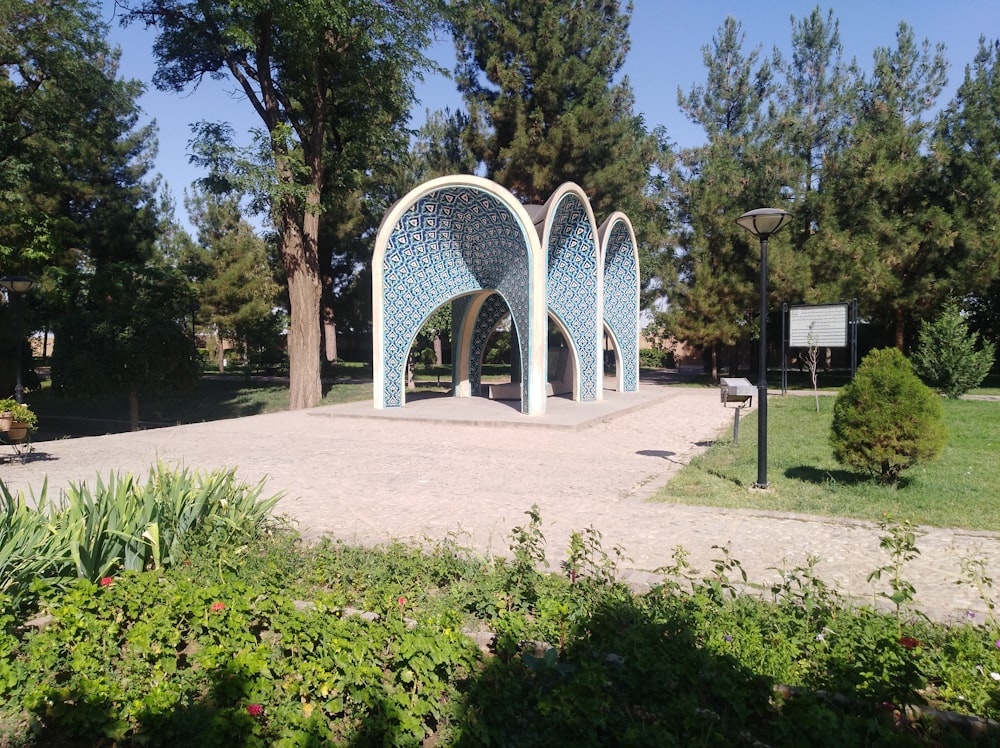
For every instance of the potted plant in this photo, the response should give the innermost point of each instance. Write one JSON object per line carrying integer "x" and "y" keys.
{"x": 23, "y": 419}
{"x": 6, "y": 417}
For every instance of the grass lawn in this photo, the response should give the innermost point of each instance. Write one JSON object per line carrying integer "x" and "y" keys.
{"x": 960, "y": 489}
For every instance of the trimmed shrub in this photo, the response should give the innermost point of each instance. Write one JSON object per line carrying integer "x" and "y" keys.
{"x": 654, "y": 358}
{"x": 886, "y": 420}
{"x": 946, "y": 357}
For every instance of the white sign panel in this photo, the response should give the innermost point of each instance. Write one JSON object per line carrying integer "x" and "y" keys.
{"x": 820, "y": 325}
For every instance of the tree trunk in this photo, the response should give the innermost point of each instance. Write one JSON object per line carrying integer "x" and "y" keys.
{"x": 899, "y": 329}
{"x": 329, "y": 334}
{"x": 715, "y": 363}
{"x": 298, "y": 248}
{"x": 133, "y": 407}
{"x": 220, "y": 347}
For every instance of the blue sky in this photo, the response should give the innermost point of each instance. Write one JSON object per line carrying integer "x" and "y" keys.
{"x": 667, "y": 37}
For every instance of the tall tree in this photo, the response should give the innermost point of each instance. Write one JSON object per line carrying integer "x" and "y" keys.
{"x": 544, "y": 105}
{"x": 968, "y": 149}
{"x": 329, "y": 79}
{"x": 891, "y": 234}
{"x": 234, "y": 286}
{"x": 76, "y": 210}
{"x": 813, "y": 105}
{"x": 712, "y": 300}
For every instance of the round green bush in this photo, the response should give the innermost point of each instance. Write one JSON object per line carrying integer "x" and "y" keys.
{"x": 886, "y": 419}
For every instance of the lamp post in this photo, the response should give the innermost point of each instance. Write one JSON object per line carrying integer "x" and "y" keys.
{"x": 763, "y": 222}
{"x": 16, "y": 286}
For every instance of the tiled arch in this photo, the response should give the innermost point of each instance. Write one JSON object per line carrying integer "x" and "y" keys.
{"x": 573, "y": 283}
{"x": 621, "y": 296}
{"x": 451, "y": 237}
{"x": 467, "y": 240}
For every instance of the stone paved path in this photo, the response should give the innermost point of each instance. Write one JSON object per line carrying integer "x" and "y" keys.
{"x": 471, "y": 468}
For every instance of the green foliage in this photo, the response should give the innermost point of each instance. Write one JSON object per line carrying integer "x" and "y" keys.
{"x": 127, "y": 334}
{"x": 31, "y": 553}
{"x": 655, "y": 358}
{"x": 886, "y": 420}
{"x": 947, "y": 358}
{"x": 332, "y": 84}
{"x": 21, "y": 413}
{"x": 123, "y": 525}
{"x": 806, "y": 478}
{"x": 546, "y": 104}
{"x": 339, "y": 644}
{"x": 900, "y": 540}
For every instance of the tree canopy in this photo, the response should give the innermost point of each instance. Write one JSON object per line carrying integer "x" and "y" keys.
{"x": 331, "y": 83}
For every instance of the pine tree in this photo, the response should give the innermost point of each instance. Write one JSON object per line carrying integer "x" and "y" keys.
{"x": 947, "y": 357}
{"x": 539, "y": 82}
{"x": 715, "y": 295}
{"x": 887, "y": 239}
{"x": 812, "y": 110}
{"x": 968, "y": 148}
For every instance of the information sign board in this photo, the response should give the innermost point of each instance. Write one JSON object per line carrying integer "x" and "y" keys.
{"x": 818, "y": 325}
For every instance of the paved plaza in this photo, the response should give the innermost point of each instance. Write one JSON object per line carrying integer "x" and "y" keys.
{"x": 471, "y": 468}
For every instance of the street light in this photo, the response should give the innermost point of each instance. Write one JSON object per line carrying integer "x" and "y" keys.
{"x": 16, "y": 286}
{"x": 762, "y": 223}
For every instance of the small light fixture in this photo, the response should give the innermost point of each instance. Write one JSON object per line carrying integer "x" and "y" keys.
{"x": 764, "y": 221}
{"x": 17, "y": 283}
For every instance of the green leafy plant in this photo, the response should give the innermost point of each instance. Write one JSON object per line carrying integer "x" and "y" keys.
{"x": 900, "y": 540}
{"x": 21, "y": 413}
{"x": 7, "y": 404}
{"x": 886, "y": 420}
{"x": 31, "y": 554}
{"x": 335, "y": 644}
{"x": 947, "y": 357}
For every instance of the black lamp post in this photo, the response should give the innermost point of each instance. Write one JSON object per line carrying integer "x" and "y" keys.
{"x": 762, "y": 223}
{"x": 16, "y": 286}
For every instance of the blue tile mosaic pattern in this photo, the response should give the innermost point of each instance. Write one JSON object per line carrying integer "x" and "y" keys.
{"x": 452, "y": 241}
{"x": 621, "y": 299}
{"x": 494, "y": 309}
{"x": 571, "y": 286}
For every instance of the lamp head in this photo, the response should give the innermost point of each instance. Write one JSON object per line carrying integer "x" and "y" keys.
{"x": 17, "y": 283}
{"x": 763, "y": 222}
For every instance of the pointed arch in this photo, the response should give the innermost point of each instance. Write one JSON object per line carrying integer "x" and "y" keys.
{"x": 574, "y": 283}
{"x": 455, "y": 236}
{"x": 620, "y": 259}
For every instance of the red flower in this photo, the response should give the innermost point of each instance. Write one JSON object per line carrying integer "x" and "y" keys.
{"x": 255, "y": 710}
{"x": 401, "y": 600}
{"x": 218, "y": 606}
{"x": 107, "y": 581}
{"x": 909, "y": 642}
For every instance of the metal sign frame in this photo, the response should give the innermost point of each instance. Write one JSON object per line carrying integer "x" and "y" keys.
{"x": 820, "y": 326}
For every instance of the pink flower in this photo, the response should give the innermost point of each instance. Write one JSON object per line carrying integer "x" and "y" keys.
{"x": 401, "y": 601}
{"x": 998, "y": 643}
{"x": 107, "y": 581}
{"x": 255, "y": 710}
{"x": 216, "y": 607}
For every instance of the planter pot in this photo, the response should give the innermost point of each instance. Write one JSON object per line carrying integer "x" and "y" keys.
{"x": 17, "y": 431}
{"x": 6, "y": 418}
